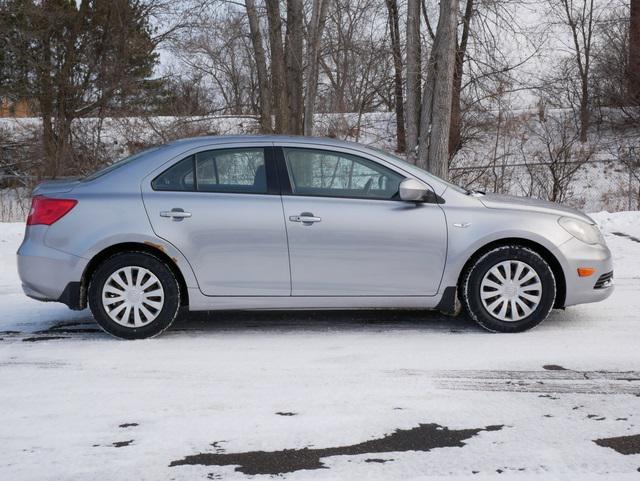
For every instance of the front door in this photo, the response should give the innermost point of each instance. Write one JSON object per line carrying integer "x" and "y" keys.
{"x": 221, "y": 210}
{"x": 350, "y": 235}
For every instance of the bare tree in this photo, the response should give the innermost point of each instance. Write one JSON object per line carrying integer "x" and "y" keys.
{"x": 219, "y": 49}
{"x": 294, "y": 66}
{"x": 435, "y": 119}
{"x": 456, "y": 108}
{"x": 278, "y": 79}
{"x": 493, "y": 43}
{"x": 579, "y": 17}
{"x": 261, "y": 66}
{"x": 414, "y": 78}
{"x": 611, "y": 72}
{"x": 634, "y": 50}
{"x": 356, "y": 60}
{"x": 396, "y": 49}
{"x": 554, "y": 166}
{"x": 318, "y": 18}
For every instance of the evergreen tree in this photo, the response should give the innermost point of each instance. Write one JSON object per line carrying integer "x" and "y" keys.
{"x": 73, "y": 59}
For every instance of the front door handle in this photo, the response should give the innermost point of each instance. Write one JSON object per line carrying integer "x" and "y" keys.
{"x": 307, "y": 218}
{"x": 176, "y": 213}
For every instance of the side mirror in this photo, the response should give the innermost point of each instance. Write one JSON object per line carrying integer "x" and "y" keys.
{"x": 412, "y": 190}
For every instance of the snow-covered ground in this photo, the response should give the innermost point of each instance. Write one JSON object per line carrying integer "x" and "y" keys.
{"x": 333, "y": 395}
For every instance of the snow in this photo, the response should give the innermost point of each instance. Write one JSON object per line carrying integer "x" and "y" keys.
{"x": 214, "y": 383}
{"x": 625, "y": 222}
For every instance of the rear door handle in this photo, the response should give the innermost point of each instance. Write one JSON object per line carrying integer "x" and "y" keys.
{"x": 306, "y": 218}
{"x": 175, "y": 213}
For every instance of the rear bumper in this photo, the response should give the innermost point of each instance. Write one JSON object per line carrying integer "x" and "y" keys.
{"x": 49, "y": 274}
{"x": 582, "y": 290}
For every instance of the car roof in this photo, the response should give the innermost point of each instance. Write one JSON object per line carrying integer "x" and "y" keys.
{"x": 265, "y": 138}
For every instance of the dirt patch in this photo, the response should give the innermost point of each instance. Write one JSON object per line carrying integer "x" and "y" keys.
{"x": 69, "y": 328}
{"x": 627, "y": 236}
{"x": 43, "y": 338}
{"x": 548, "y": 396}
{"x": 554, "y": 380}
{"x": 84, "y": 330}
{"x": 425, "y": 437}
{"x": 127, "y": 425}
{"x": 377, "y": 460}
{"x": 596, "y": 417}
{"x": 286, "y": 413}
{"x": 122, "y": 444}
{"x": 553, "y": 367}
{"x": 622, "y": 444}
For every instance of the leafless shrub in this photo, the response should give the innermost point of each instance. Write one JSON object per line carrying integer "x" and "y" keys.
{"x": 556, "y": 157}
{"x": 628, "y": 192}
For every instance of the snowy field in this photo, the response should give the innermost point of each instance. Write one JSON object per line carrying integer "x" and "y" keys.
{"x": 324, "y": 395}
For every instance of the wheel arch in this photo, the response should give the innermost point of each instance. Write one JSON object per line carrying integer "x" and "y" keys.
{"x": 546, "y": 254}
{"x": 145, "y": 247}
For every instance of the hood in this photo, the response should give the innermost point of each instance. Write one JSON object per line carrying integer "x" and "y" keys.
{"x": 56, "y": 186}
{"x": 499, "y": 201}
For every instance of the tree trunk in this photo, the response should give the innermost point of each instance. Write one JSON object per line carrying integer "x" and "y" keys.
{"x": 64, "y": 152}
{"x": 318, "y": 17}
{"x": 413, "y": 62}
{"x": 261, "y": 67}
{"x": 634, "y": 51}
{"x": 394, "y": 27}
{"x": 435, "y": 121}
{"x": 455, "y": 133}
{"x": 45, "y": 99}
{"x": 293, "y": 59}
{"x": 278, "y": 85}
{"x": 585, "y": 113}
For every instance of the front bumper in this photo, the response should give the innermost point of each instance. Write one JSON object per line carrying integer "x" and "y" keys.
{"x": 582, "y": 290}
{"x": 48, "y": 274}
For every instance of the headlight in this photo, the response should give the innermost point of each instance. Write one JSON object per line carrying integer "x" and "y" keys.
{"x": 581, "y": 230}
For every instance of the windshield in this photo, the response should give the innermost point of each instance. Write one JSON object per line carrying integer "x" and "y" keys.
{"x": 117, "y": 164}
{"x": 410, "y": 167}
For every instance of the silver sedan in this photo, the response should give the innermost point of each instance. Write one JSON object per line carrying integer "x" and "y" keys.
{"x": 272, "y": 222}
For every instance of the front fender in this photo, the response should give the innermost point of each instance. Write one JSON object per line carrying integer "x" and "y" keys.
{"x": 470, "y": 231}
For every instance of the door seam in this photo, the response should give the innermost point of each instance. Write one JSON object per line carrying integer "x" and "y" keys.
{"x": 286, "y": 231}
{"x": 275, "y": 160}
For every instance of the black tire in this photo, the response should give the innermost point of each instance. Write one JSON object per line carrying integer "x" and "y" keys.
{"x": 471, "y": 288}
{"x": 171, "y": 287}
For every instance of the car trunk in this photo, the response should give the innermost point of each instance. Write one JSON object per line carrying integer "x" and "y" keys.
{"x": 57, "y": 186}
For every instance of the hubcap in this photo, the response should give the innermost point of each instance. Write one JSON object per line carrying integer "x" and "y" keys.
{"x": 132, "y": 296}
{"x": 511, "y": 290}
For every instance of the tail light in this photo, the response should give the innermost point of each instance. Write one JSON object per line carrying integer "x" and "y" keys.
{"x": 47, "y": 210}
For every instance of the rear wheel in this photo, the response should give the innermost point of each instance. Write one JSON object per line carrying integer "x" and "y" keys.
{"x": 134, "y": 295}
{"x": 509, "y": 289}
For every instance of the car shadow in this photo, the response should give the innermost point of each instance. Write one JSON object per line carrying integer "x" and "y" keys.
{"x": 323, "y": 320}
{"x": 212, "y": 322}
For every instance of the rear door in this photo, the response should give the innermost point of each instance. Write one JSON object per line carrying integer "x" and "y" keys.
{"x": 350, "y": 235}
{"x": 221, "y": 208}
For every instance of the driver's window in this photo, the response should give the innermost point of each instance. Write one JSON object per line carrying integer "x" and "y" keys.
{"x": 336, "y": 174}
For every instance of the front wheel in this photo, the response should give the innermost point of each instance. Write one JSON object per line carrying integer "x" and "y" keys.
{"x": 509, "y": 289}
{"x": 134, "y": 295}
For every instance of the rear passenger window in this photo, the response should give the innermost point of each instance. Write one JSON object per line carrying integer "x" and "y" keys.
{"x": 237, "y": 170}
{"x": 228, "y": 170}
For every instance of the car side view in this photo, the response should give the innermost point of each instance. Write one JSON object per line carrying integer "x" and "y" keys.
{"x": 275, "y": 222}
